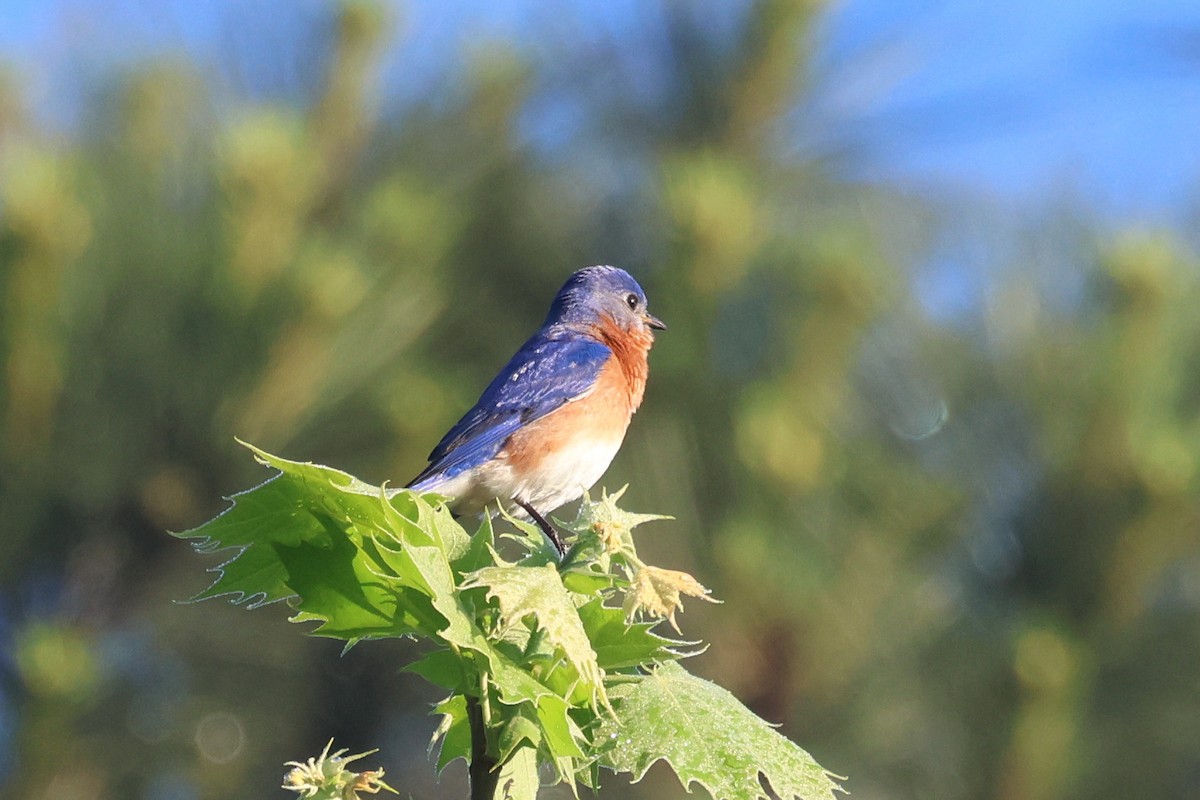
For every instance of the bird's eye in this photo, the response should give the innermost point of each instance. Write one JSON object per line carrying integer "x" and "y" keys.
{"x": 631, "y": 300}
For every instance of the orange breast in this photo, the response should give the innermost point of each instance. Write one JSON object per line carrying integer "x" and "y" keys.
{"x": 600, "y": 417}
{"x": 630, "y": 350}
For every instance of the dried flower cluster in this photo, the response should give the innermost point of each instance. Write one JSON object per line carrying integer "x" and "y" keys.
{"x": 326, "y": 777}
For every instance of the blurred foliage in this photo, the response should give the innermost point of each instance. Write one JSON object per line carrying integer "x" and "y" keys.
{"x": 959, "y": 557}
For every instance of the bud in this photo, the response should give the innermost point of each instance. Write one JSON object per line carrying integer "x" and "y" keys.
{"x": 611, "y": 526}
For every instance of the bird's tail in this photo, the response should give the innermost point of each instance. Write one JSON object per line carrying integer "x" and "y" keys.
{"x": 426, "y": 482}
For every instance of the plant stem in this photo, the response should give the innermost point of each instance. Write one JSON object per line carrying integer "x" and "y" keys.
{"x": 482, "y": 770}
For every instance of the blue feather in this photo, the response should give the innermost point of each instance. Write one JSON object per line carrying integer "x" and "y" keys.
{"x": 554, "y": 367}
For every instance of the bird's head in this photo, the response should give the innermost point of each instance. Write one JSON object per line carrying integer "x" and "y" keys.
{"x": 594, "y": 294}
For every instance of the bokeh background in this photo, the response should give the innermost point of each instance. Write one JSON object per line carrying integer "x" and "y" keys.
{"x": 927, "y": 415}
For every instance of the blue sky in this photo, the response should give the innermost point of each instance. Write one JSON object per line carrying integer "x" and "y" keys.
{"x": 1012, "y": 101}
{"x": 1024, "y": 96}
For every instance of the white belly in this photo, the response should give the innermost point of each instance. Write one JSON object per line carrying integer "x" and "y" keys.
{"x": 559, "y": 478}
{"x": 566, "y": 474}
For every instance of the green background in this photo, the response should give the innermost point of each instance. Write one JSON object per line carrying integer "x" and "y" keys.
{"x": 958, "y": 557}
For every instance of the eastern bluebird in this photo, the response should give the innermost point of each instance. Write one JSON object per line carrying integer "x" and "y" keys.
{"x": 547, "y": 427}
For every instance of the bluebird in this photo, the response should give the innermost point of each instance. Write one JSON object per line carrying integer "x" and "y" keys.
{"x": 549, "y": 424}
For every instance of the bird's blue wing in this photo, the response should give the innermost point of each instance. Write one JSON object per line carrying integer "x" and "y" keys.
{"x": 548, "y": 371}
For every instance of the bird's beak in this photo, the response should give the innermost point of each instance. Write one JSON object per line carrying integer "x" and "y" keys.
{"x": 656, "y": 323}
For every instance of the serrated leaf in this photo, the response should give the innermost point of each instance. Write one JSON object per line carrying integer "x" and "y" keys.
{"x": 427, "y": 520}
{"x": 619, "y": 644}
{"x": 443, "y": 668}
{"x": 707, "y": 737}
{"x": 453, "y": 735}
{"x": 586, "y": 582}
{"x": 528, "y": 535}
{"x": 455, "y": 541}
{"x": 517, "y": 730}
{"x": 606, "y": 523}
{"x": 315, "y": 533}
{"x": 403, "y": 510}
{"x": 523, "y": 591}
{"x": 272, "y": 512}
{"x": 513, "y": 682}
{"x": 519, "y": 776}
{"x": 337, "y": 588}
{"x": 561, "y": 736}
{"x": 480, "y": 552}
{"x": 561, "y": 733}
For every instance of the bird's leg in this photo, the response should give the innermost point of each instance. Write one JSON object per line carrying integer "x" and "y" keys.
{"x": 544, "y": 524}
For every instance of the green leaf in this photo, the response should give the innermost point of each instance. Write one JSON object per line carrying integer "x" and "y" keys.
{"x": 431, "y": 522}
{"x": 443, "y": 668}
{"x": 460, "y": 630}
{"x": 524, "y": 591}
{"x": 707, "y": 737}
{"x": 603, "y": 522}
{"x": 454, "y": 732}
{"x": 519, "y": 776}
{"x": 517, "y": 730}
{"x": 512, "y": 680}
{"x": 330, "y": 540}
{"x": 455, "y": 540}
{"x": 337, "y": 588}
{"x": 619, "y": 644}
{"x": 272, "y": 512}
{"x": 562, "y": 735}
{"x": 528, "y": 535}
{"x": 480, "y": 552}
{"x": 586, "y": 582}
